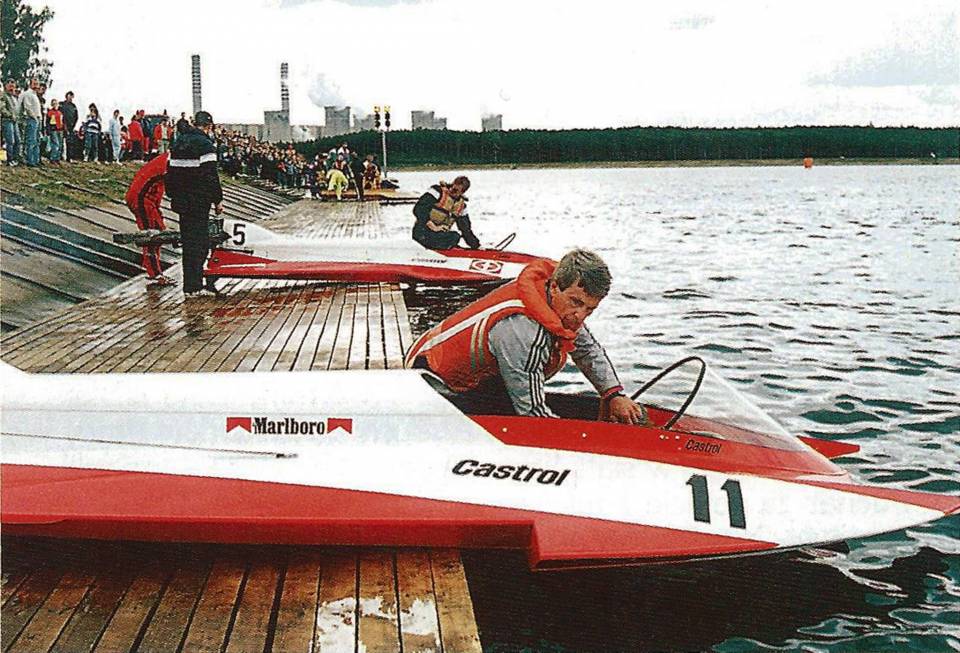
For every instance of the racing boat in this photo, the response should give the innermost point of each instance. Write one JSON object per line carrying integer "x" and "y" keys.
{"x": 246, "y": 250}
{"x": 391, "y": 458}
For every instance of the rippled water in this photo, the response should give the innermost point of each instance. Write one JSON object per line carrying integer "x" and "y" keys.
{"x": 831, "y": 297}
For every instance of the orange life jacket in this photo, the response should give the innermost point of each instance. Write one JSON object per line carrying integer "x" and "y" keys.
{"x": 458, "y": 351}
{"x": 446, "y": 210}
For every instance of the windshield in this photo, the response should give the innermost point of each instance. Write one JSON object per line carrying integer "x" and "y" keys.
{"x": 717, "y": 410}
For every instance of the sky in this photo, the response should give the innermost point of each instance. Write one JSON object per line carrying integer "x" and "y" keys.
{"x": 542, "y": 64}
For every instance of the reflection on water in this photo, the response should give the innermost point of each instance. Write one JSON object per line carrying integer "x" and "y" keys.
{"x": 829, "y": 297}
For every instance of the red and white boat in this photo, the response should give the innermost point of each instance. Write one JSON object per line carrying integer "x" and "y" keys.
{"x": 251, "y": 251}
{"x": 390, "y": 458}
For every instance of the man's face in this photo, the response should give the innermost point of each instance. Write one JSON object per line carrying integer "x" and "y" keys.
{"x": 457, "y": 191}
{"x": 34, "y": 84}
{"x": 9, "y": 87}
{"x": 573, "y": 305}
{"x": 69, "y": 97}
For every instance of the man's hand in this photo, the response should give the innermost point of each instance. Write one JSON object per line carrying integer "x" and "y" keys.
{"x": 219, "y": 207}
{"x": 626, "y": 411}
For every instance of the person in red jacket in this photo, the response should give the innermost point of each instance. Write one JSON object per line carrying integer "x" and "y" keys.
{"x": 135, "y": 131}
{"x": 143, "y": 199}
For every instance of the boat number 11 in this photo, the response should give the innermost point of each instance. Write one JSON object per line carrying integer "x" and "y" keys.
{"x": 701, "y": 500}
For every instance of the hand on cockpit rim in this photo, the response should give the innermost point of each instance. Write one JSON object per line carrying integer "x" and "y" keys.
{"x": 626, "y": 411}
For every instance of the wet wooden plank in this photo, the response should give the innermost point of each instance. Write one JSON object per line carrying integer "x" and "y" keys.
{"x": 271, "y": 307}
{"x": 336, "y": 611}
{"x": 458, "y": 630}
{"x": 377, "y": 626}
{"x": 212, "y": 618}
{"x": 357, "y": 358}
{"x": 376, "y": 347}
{"x": 331, "y": 327}
{"x": 169, "y": 624}
{"x": 419, "y": 624}
{"x": 251, "y": 627}
{"x": 297, "y": 614}
{"x": 25, "y": 601}
{"x": 314, "y": 308}
{"x": 392, "y": 338}
{"x": 340, "y": 354}
{"x": 226, "y": 320}
{"x": 12, "y": 579}
{"x": 97, "y": 607}
{"x": 322, "y": 327}
{"x": 131, "y": 616}
{"x": 54, "y": 613}
{"x": 275, "y": 328}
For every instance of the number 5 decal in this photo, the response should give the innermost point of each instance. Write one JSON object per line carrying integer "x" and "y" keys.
{"x": 239, "y": 233}
{"x": 701, "y": 500}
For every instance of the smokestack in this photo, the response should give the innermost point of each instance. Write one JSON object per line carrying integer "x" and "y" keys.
{"x": 284, "y": 91}
{"x": 195, "y": 74}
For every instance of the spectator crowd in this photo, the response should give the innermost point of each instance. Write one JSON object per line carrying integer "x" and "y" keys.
{"x": 34, "y": 129}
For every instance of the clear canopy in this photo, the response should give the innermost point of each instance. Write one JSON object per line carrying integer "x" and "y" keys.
{"x": 716, "y": 409}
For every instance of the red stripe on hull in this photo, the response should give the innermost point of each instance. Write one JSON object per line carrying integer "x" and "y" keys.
{"x": 352, "y": 272}
{"x": 654, "y": 444}
{"x": 65, "y": 502}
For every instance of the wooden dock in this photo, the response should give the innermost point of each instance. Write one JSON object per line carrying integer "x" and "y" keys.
{"x": 82, "y": 596}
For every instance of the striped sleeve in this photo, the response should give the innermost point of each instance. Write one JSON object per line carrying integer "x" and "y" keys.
{"x": 522, "y": 349}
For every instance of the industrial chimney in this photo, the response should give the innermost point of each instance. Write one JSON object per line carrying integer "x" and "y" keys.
{"x": 195, "y": 73}
{"x": 284, "y": 91}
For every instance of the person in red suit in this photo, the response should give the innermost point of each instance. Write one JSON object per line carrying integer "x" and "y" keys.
{"x": 143, "y": 199}
{"x": 135, "y": 130}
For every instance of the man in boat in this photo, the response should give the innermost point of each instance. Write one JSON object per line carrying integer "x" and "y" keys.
{"x": 143, "y": 199}
{"x": 438, "y": 210}
{"x": 507, "y": 344}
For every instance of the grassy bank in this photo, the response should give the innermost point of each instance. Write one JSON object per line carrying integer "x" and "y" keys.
{"x": 70, "y": 185}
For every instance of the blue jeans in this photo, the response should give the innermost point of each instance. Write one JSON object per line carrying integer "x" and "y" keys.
{"x": 91, "y": 143}
{"x": 31, "y": 145}
{"x": 10, "y": 138}
{"x": 56, "y": 144}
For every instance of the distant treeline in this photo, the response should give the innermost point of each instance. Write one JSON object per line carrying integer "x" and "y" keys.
{"x": 456, "y": 148}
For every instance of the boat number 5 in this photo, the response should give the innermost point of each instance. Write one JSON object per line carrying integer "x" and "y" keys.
{"x": 239, "y": 234}
{"x": 701, "y": 500}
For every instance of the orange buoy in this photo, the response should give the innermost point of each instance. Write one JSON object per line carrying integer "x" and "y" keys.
{"x": 808, "y": 162}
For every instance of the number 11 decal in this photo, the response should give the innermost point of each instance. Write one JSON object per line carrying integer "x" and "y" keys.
{"x": 701, "y": 500}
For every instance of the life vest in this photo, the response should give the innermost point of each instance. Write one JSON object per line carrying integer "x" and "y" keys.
{"x": 446, "y": 210}
{"x": 458, "y": 351}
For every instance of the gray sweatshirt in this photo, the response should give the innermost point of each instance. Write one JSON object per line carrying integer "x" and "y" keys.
{"x": 522, "y": 348}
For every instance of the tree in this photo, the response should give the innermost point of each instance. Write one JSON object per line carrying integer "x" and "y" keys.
{"x": 21, "y": 42}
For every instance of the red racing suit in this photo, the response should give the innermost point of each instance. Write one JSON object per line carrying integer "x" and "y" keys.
{"x": 143, "y": 199}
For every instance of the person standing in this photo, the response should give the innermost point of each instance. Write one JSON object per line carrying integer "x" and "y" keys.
{"x": 357, "y": 168}
{"x": 193, "y": 186}
{"x": 70, "y": 117}
{"x": 91, "y": 134}
{"x": 143, "y": 199}
{"x": 30, "y": 116}
{"x": 9, "y": 114}
{"x": 54, "y": 124}
{"x": 183, "y": 124}
{"x": 439, "y": 209}
{"x": 135, "y": 133}
{"x": 161, "y": 135}
{"x": 115, "y": 138}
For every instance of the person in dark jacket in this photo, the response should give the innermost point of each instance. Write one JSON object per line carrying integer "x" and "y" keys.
{"x": 357, "y": 169}
{"x": 70, "y": 117}
{"x": 440, "y": 208}
{"x": 193, "y": 186}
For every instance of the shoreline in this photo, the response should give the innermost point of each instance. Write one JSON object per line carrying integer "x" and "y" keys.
{"x": 719, "y": 163}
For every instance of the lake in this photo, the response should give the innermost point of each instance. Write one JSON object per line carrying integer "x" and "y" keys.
{"x": 831, "y": 298}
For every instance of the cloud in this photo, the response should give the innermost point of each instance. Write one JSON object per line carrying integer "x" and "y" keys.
{"x": 286, "y": 4}
{"x": 916, "y": 59}
{"x": 693, "y": 21}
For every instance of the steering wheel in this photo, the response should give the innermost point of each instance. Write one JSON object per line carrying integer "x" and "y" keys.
{"x": 502, "y": 245}
{"x": 693, "y": 392}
